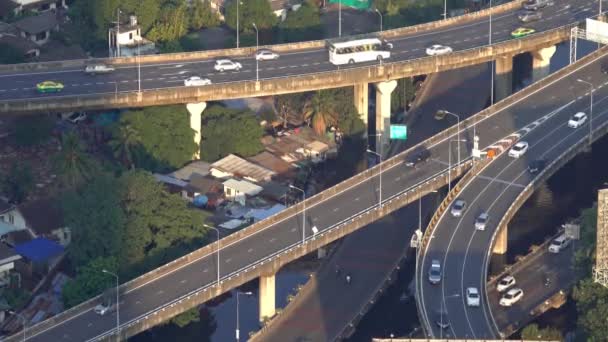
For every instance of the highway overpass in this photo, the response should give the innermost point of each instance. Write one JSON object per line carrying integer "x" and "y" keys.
{"x": 539, "y": 114}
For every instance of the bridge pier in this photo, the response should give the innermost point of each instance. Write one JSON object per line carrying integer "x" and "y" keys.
{"x": 267, "y": 297}
{"x": 383, "y": 111}
{"x": 195, "y": 110}
{"x": 500, "y": 245}
{"x": 504, "y": 77}
{"x": 361, "y": 96}
{"x": 541, "y": 60}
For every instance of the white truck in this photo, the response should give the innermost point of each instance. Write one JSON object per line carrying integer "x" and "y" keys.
{"x": 98, "y": 69}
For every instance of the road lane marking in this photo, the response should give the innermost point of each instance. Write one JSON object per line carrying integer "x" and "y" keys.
{"x": 250, "y": 250}
{"x": 228, "y": 260}
{"x": 272, "y": 240}
{"x": 336, "y": 209}
{"x": 183, "y": 281}
{"x": 293, "y": 229}
{"x": 205, "y": 270}
{"x": 160, "y": 292}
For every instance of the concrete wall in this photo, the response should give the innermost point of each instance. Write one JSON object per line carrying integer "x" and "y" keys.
{"x": 310, "y": 82}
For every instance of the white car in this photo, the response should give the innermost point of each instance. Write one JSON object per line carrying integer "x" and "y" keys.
{"x": 226, "y": 64}
{"x": 559, "y": 243}
{"x": 519, "y": 149}
{"x": 266, "y": 55}
{"x": 505, "y": 283}
{"x": 102, "y": 309}
{"x": 511, "y": 297}
{"x": 481, "y": 221}
{"x": 435, "y": 50}
{"x": 473, "y": 298}
{"x": 76, "y": 117}
{"x": 435, "y": 272}
{"x": 98, "y": 69}
{"x": 577, "y": 120}
{"x": 458, "y": 207}
{"x": 196, "y": 81}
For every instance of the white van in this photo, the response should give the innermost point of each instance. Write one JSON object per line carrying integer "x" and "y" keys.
{"x": 559, "y": 244}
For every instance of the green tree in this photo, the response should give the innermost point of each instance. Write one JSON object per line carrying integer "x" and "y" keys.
{"x": 186, "y": 318}
{"x": 251, "y": 11}
{"x": 72, "y": 163}
{"x": 166, "y": 139}
{"x": 32, "y": 130}
{"x": 227, "y": 131}
{"x": 156, "y": 221}
{"x": 172, "y": 23}
{"x": 290, "y": 105}
{"x": 18, "y": 182}
{"x": 96, "y": 219}
{"x": 320, "y": 111}
{"x": 592, "y": 307}
{"x": 303, "y": 24}
{"x": 202, "y": 15}
{"x": 533, "y": 332}
{"x": 89, "y": 282}
{"x": 585, "y": 251}
{"x": 403, "y": 94}
{"x": 10, "y": 55}
{"x": 125, "y": 140}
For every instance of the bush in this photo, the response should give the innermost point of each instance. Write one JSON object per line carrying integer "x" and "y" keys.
{"x": 32, "y": 130}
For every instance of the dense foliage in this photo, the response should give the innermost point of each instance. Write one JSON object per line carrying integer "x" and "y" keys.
{"x": 533, "y": 332}
{"x": 17, "y": 182}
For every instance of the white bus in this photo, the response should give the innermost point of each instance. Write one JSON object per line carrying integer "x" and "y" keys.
{"x": 360, "y": 50}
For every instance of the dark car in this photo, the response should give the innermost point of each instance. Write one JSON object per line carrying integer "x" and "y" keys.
{"x": 537, "y": 166}
{"x": 605, "y": 68}
{"x": 419, "y": 156}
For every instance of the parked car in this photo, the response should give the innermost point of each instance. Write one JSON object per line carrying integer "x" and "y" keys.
{"x": 458, "y": 207}
{"x": 519, "y": 149}
{"x": 537, "y": 166}
{"x": 419, "y": 156}
{"x": 473, "y": 298}
{"x": 98, "y": 69}
{"x": 196, "y": 81}
{"x": 435, "y": 272}
{"x": 511, "y": 297}
{"x": 559, "y": 243}
{"x": 577, "y": 120}
{"x": 226, "y": 64}
{"x": 76, "y": 117}
{"x": 536, "y": 4}
{"x": 505, "y": 283}
{"x": 49, "y": 87}
{"x": 522, "y": 32}
{"x": 528, "y": 16}
{"x": 266, "y": 55}
{"x": 481, "y": 221}
{"x": 436, "y": 49}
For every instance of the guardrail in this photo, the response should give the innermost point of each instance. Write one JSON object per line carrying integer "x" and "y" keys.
{"x": 249, "y": 51}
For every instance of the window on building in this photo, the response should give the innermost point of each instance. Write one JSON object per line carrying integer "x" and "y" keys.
{"x": 41, "y": 36}
{"x": 2, "y": 218}
{"x": 131, "y": 36}
{"x": 11, "y": 219}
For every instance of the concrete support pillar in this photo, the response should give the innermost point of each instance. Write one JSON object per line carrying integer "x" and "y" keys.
{"x": 541, "y": 60}
{"x": 195, "y": 110}
{"x": 500, "y": 246}
{"x": 267, "y": 297}
{"x": 383, "y": 112}
{"x": 321, "y": 253}
{"x": 361, "y": 96}
{"x": 504, "y": 77}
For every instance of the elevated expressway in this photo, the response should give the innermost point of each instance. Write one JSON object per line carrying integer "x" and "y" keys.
{"x": 261, "y": 249}
{"x": 539, "y": 114}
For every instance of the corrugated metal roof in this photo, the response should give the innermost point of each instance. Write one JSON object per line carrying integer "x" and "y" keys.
{"x": 238, "y": 166}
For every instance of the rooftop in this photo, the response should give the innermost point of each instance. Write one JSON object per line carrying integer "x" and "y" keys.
{"x": 5, "y": 206}
{"x": 271, "y": 162}
{"x": 39, "y": 250}
{"x": 43, "y": 215}
{"x": 21, "y": 44}
{"x": 243, "y": 186}
{"x": 38, "y": 23}
{"x": 203, "y": 184}
{"x": 240, "y": 167}
{"x": 196, "y": 167}
{"x": 7, "y": 254}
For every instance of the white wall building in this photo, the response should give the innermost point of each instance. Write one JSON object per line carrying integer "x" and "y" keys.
{"x": 125, "y": 40}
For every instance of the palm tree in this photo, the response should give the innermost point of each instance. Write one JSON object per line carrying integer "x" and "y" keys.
{"x": 125, "y": 139}
{"x": 72, "y": 163}
{"x": 319, "y": 111}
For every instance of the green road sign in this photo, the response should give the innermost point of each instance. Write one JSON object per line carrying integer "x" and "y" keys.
{"x": 399, "y": 132}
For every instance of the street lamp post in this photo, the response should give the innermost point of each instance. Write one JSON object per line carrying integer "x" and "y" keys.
{"x": 456, "y": 295}
{"x": 457, "y": 127}
{"x": 590, "y": 109}
{"x": 138, "y": 68}
{"x": 22, "y": 320}
{"x": 380, "y": 14}
{"x": 379, "y": 176}
{"x": 237, "y": 23}
{"x": 117, "y": 32}
{"x": 218, "y": 251}
{"x": 492, "y": 63}
{"x": 238, "y": 293}
{"x": 117, "y": 303}
{"x": 450, "y": 161}
{"x": 257, "y": 47}
{"x": 445, "y": 9}
{"x": 378, "y": 141}
{"x": 339, "y": 18}
{"x": 303, "y": 211}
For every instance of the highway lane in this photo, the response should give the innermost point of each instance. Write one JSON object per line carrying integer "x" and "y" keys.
{"x": 153, "y": 76}
{"x": 460, "y": 247}
{"x": 201, "y": 273}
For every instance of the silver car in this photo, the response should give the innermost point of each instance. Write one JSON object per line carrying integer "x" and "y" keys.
{"x": 435, "y": 272}
{"x": 226, "y": 64}
{"x": 481, "y": 221}
{"x": 534, "y": 5}
{"x": 528, "y": 16}
{"x": 458, "y": 207}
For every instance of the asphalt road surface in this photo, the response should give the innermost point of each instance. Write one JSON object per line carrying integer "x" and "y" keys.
{"x": 21, "y": 86}
{"x": 461, "y": 249}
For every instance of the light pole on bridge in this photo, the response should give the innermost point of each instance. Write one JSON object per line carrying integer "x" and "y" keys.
{"x": 380, "y": 14}
{"x": 303, "y": 211}
{"x": 379, "y": 176}
{"x": 117, "y": 303}
{"x": 218, "y": 251}
{"x": 257, "y": 47}
{"x": 450, "y": 161}
{"x": 592, "y": 88}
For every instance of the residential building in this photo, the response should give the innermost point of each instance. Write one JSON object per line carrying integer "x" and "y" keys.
{"x": 26, "y": 47}
{"x": 8, "y": 256}
{"x": 279, "y": 7}
{"x": 201, "y": 185}
{"x": 10, "y": 8}
{"x": 125, "y": 40}
{"x": 273, "y": 163}
{"x": 38, "y": 28}
{"x": 197, "y": 167}
{"x": 238, "y": 190}
{"x": 42, "y": 218}
{"x": 234, "y": 166}
{"x": 316, "y": 151}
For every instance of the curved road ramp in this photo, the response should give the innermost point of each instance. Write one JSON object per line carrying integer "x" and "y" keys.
{"x": 443, "y": 340}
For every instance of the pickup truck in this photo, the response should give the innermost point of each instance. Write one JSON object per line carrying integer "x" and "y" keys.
{"x": 98, "y": 69}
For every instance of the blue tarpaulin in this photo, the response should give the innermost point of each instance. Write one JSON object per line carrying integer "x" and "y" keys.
{"x": 39, "y": 250}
